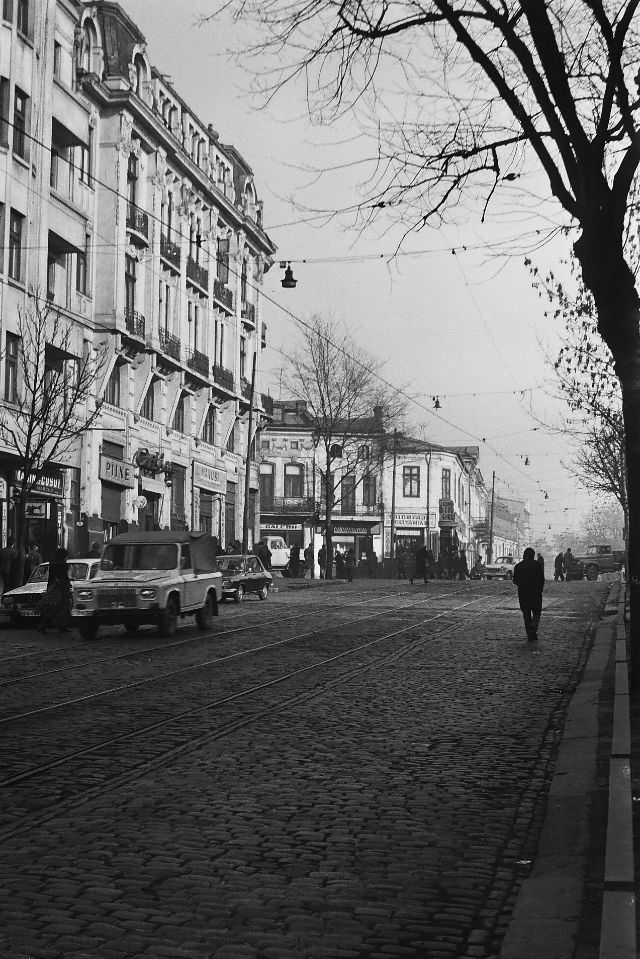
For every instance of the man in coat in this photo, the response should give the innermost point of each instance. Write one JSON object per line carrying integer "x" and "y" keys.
{"x": 528, "y": 576}
{"x": 421, "y": 564}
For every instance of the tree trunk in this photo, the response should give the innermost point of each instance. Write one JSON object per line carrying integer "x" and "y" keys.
{"x": 21, "y": 535}
{"x": 328, "y": 535}
{"x": 629, "y": 373}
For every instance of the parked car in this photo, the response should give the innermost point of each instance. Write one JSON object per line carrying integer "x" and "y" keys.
{"x": 24, "y": 601}
{"x": 501, "y": 568}
{"x": 243, "y": 574}
{"x": 599, "y": 559}
{"x": 156, "y": 577}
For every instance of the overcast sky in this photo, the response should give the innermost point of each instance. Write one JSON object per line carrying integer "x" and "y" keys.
{"x": 466, "y": 327}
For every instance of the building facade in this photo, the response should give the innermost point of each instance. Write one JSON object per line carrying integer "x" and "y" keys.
{"x": 145, "y": 231}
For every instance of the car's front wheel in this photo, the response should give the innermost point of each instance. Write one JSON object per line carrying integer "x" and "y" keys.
{"x": 168, "y": 619}
{"x": 263, "y": 593}
{"x": 204, "y": 616}
{"x": 239, "y": 594}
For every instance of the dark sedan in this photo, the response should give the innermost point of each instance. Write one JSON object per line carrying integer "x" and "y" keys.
{"x": 243, "y": 574}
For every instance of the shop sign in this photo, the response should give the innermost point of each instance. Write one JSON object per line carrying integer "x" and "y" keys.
{"x": 276, "y": 527}
{"x": 209, "y": 478}
{"x": 361, "y": 529}
{"x": 413, "y": 520}
{"x": 116, "y": 471}
{"x": 48, "y": 483}
{"x": 36, "y": 509}
{"x": 3, "y": 488}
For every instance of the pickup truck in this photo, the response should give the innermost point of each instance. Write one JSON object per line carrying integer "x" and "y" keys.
{"x": 600, "y": 559}
{"x": 151, "y": 578}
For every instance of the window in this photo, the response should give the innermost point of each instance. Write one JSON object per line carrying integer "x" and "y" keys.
{"x": 243, "y": 356}
{"x": 348, "y": 493}
{"x": 112, "y": 391}
{"x": 209, "y": 426}
{"x": 223, "y": 260}
{"x": 198, "y": 240}
{"x": 2, "y": 221}
{"x": 5, "y": 111}
{"x": 295, "y": 444}
{"x": 84, "y": 160}
{"x": 130, "y": 284}
{"x": 51, "y": 276}
{"x": 81, "y": 272}
{"x": 218, "y": 346}
{"x": 267, "y": 476}
{"x": 22, "y": 19}
{"x": 146, "y": 409}
{"x": 369, "y": 490}
{"x": 231, "y": 441}
{"x": 446, "y": 484}
{"x": 178, "y": 416}
{"x": 16, "y": 221}
{"x": 243, "y": 282}
{"x": 7, "y": 10}
{"x": 411, "y": 481}
{"x": 169, "y": 215}
{"x": 363, "y": 453}
{"x": 11, "y": 368}
{"x": 57, "y": 59}
{"x": 132, "y": 179}
{"x": 20, "y": 123}
{"x": 293, "y": 480}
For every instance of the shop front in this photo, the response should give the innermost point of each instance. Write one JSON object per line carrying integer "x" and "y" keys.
{"x": 116, "y": 476}
{"x": 292, "y": 532}
{"x": 361, "y": 537}
{"x": 209, "y": 488}
{"x": 414, "y": 529}
{"x": 44, "y": 509}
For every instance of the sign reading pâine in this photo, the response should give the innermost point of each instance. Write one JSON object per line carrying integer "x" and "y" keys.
{"x": 117, "y": 472}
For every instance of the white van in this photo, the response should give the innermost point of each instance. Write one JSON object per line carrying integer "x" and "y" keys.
{"x": 279, "y": 551}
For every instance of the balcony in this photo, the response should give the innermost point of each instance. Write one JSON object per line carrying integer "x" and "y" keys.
{"x": 197, "y": 274}
{"x": 349, "y": 508}
{"x": 198, "y": 362}
{"x": 223, "y": 295}
{"x": 287, "y": 505}
{"x": 245, "y": 388}
{"x": 169, "y": 344}
{"x": 134, "y": 323}
{"x": 248, "y": 314}
{"x": 223, "y": 377}
{"x": 170, "y": 251}
{"x": 137, "y": 225}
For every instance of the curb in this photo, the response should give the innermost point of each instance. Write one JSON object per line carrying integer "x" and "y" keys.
{"x": 618, "y": 921}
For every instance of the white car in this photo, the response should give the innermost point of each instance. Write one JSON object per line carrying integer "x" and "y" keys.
{"x": 279, "y": 551}
{"x": 501, "y": 568}
{"x": 24, "y": 601}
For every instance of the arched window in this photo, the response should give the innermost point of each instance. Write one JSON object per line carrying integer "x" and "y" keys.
{"x": 293, "y": 481}
{"x": 89, "y": 45}
{"x": 209, "y": 426}
{"x": 179, "y": 415}
{"x": 141, "y": 73}
{"x": 267, "y": 485}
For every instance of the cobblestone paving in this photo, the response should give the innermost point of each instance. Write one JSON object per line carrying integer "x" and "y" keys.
{"x": 384, "y": 815}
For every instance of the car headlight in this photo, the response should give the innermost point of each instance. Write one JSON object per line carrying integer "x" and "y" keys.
{"x": 84, "y": 594}
{"x": 148, "y": 593}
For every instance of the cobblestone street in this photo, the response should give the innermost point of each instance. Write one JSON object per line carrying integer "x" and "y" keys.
{"x": 354, "y": 771}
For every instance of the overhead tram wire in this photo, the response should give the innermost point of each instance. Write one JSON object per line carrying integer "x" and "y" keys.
{"x": 297, "y": 319}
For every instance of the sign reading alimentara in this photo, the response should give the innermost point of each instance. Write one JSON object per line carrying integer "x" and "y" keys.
{"x": 50, "y": 482}
{"x": 117, "y": 471}
{"x": 209, "y": 478}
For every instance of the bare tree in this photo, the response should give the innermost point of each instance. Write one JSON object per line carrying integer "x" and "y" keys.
{"x": 350, "y": 411}
{"x": 603, "y": 524}
{"x": 50, "y": 409}
{"x": 495, "y": 91}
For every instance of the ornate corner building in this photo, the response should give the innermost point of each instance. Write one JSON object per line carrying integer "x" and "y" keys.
{"x": 144, "y": 231}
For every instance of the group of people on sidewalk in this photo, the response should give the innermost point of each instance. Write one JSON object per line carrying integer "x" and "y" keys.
{"x": 422, "y": 564}
{"x": 57, "y": 602}
{"x": 10, "y": 575}
{"x": 563, "y": 564}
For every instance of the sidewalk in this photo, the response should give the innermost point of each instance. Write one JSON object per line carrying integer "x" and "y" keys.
{"x": 578, "y": 901}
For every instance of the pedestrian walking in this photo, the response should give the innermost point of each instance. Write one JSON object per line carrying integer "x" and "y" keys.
{"x": 350, "y": 564}
{"x": 540, "y": 560}
{"x": 340, "y": 565}
{"x": 372, "y": 564}
{"x": 401, "y": 554}
{"x": 322, "y": 561}
{"x": 294, "y": 561}
{"x": 431, "y": 564}
{"x": 264, "y": 554}
{"x": 463, "y": 567}
{"x": 308, "y": 559}
{"x": 558, "y": 568}
{"x": 528, "y": 576}
{"x": 57, "y": 602}
{"x": 421, "y": 565}
{"x": 7, "y": 558}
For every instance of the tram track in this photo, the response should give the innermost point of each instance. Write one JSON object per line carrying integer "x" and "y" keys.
{"x": 121, "y": 758}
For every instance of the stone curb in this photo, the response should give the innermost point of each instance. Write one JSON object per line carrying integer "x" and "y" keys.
{"x": 618, "y": 921}
{"x": 546, "y": 916}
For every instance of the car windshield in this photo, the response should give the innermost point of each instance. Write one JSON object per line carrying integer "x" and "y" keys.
{"x": 40, "y": 574}
{"x": 230, "y": 563}
{"x": 78, "y": 570}
{"x": 277, "y": 544}
{"x": 140, "y": 556}
{"x": 504, "y": 560}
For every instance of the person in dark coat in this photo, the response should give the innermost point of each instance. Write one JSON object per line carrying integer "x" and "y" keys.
{"x": 322, "y": 561}
{"x": 540, "y": 559}
{"x": 463, "y": 568}
{"x": 431, "y": 564}
{"x": 421, "y": 564}
{"x": 372, "y": 564}
{"x": 558, "y": 568}
{"x": 7, "y": 559}
{"x": 349, "y": 564}
{"x": 308, "y": 559}
{"x": 294, "y": 560}
{"x": 528, "y": 576}
{"x": 57, "y": 602}
{"x": 340, "y": 566}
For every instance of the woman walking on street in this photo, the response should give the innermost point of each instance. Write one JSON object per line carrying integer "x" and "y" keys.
{"x": 350, "y": 563}
{"x": 57, "y": 602}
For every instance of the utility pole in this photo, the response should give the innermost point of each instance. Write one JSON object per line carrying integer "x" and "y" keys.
{"x": 247, "y": 472}
{"x": 393, "y": 496}
{"x": 493, "y": 493}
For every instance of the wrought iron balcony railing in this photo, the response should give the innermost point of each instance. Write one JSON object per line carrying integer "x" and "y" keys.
{"x": 169, "y": 344}
{"x": 349, "y": 508}
{"x": 248, "y": 313}
{"x": 287, "y": 504}
{"x": 197, "y": 274}
{"x": 137, "y": 221}
{"x": 199, "y": 362}
{"x": 222, "y": 294}
{"x": 222, "y": 376}
{"x": 245, "y": 388}
{"x": 170, "y": 251}
{"x": 134, "y": 322}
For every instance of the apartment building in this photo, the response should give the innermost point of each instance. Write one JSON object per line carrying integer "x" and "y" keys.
{"x": 145, "y": 231}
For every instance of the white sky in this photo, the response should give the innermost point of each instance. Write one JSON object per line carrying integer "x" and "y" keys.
{"x": 466, "y": 327}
